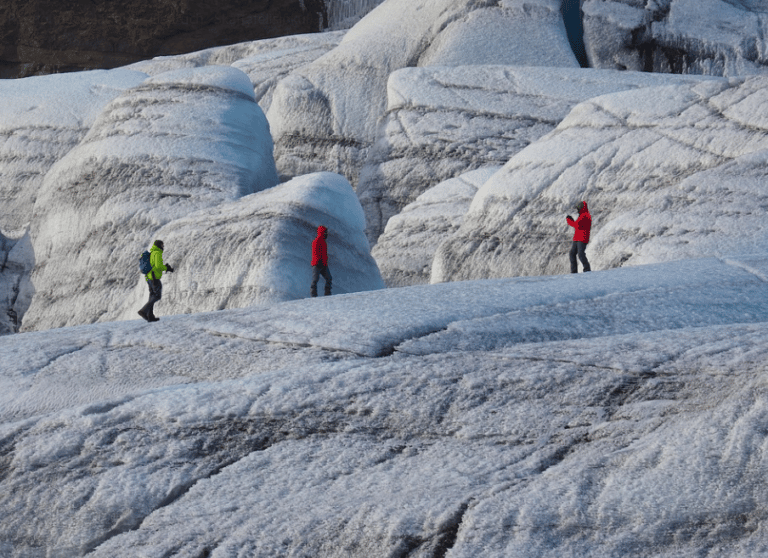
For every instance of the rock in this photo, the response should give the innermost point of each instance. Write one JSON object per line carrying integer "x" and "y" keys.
{"x": 710, "y": 37}
{"x": 41, "y": 120}
{"x": 442, "y": 122}
{"x": 43, "y": 36}
{"x": 257, "y": 249}
{"x": 673, "y": 172}
{"x": 404, "y": 252}
{"x": 325, "y": 116}
{"x": 181, "y": 141}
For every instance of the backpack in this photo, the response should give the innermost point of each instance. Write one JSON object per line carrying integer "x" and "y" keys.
{"x": 144, "y": 265}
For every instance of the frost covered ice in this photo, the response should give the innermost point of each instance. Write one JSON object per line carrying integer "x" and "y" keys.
{"x": 616, "y": 413}
{"x": 265, "y": 62}
{"x": 404, "y": 252}
{"x": 710, "y": 37}
{"x": 317, "y": 117}
{"x": 41, "y": 120}
{"x": 257, "y": 249}
{"x": 441, "y": 122}
{"x": 181, "y": 141}
{"x": 649, "y": 162}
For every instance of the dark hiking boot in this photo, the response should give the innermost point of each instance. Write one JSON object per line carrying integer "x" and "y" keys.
{"x": 143, "y": 315}
{"x": 153, "y": 318}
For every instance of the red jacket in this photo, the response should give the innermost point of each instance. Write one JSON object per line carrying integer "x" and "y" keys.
{"x": 582, "y": 225}
{"x": 319, "y": 247}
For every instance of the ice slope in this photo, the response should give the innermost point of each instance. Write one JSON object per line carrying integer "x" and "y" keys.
{"x": 181, "y": 141}
{"x": 621, "y": 412}
{"x": 325, "y": 115}
{"x": 265, "y": 62}
{"x": 404, "y": 252}
{"x": 711, "y": 37}
{"x": 669, "y": 173}
{"x": 258, "y": 249}
{"x": 42, "y": 119}
{"x": 441, "y": 122}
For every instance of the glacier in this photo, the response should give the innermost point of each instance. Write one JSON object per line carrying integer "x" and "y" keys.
{"x": 649, "y": 162}
{"x": 709, "y": 37}
{"x": 256, "y": 249}
{"x": 615, "y": 413}
{"x": 460, "y": 394}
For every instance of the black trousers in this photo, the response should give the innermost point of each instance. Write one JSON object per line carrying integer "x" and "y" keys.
{"x": 317, "y": 271}
{"x": 577, "y": 248}
{"x": 155, "y": 294}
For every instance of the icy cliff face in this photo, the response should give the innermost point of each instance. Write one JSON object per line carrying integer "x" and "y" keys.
{"x": 257, "y": 249}
{"x": 711, "y": 37}
{"x": 442, "y": 122}
{"x": 325, "y": 116}
{"x": 265, "y": 62}
{"x": 404, "y": 252}
{"x": 16, "y": 264}
{"x": 41, "y": 120}
{"x": 649, "y": 162}
{"x": 181, "y": 141}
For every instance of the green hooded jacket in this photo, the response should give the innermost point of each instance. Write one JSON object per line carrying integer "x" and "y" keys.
{"x": 156, "y": 260}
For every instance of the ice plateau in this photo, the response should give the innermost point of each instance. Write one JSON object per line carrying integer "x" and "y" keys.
{"x": 618, "y": 413}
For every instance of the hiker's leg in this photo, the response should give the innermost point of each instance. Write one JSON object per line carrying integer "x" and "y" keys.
{"x": 327, "y": 276}
{"x": 155, "y": 294}
{"x": 315, "y": 279}
{"x": 148, "y": 306}
{"x": 583, "y": 256}
{"x": 572, "y": 256}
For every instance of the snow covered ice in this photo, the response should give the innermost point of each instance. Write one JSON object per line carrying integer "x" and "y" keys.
{"x": 325, "y": 115}
{"x": 615, "y": 413}
{"x": 650, "y": 160}
{"x": 255, "y": 250}
{"x": 404, "y": 252}
{"x": 710, "y": 37}
{"x": 35, "y": 131}
{"x": 493, "y": 405}
{"x": 151, "y": 156}
{"x": 265, "y": 62}
{"x": 442, "y": 121}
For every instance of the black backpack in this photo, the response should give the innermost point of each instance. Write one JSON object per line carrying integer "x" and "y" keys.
{"x": 144, "y": 265}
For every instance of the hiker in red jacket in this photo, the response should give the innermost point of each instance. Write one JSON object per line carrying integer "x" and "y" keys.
{"x": 582, "y": 224}
{"x": 320, "y": 262}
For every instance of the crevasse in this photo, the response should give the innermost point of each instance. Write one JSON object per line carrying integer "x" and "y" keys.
{"x": 343, "y": 14}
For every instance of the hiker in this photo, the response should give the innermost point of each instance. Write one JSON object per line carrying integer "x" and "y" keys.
{"x": 153, "y": 280}
{"x": 582, "y": 224}
{"x": 320, "y": 262}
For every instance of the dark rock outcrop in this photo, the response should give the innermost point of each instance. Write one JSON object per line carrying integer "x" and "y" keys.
{"x": 48, "y": 36}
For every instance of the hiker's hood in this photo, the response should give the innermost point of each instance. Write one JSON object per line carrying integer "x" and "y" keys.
{"x": 584, "y": 208}
{"x": 155, "y": 248}
{"x": 321, "y": 230}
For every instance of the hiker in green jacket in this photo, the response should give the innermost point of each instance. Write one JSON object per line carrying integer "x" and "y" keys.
{"x": 153, "y": 280}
